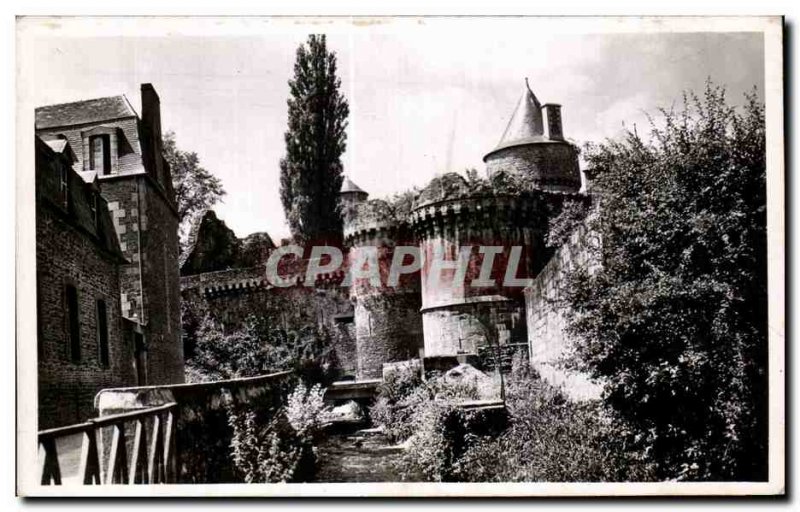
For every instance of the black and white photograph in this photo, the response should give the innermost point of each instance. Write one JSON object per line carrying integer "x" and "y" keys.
{"x": 400, "y": 256}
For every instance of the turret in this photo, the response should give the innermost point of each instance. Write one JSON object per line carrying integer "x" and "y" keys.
{"x": 533, "y": 146}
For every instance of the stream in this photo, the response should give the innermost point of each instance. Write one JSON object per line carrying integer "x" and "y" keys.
{"x": 358, "y": 456}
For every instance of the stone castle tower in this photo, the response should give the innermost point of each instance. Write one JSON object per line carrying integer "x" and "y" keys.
{"x": 533, "y": 145}
{"x": 388, "y": 326}
{"x": 461, "y": 322}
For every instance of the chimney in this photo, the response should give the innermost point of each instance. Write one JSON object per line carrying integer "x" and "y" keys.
{"x": 552, "y": 114}
{"x": 151, "y": 119}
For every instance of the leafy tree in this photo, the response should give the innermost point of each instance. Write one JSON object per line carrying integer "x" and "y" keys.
{"x": 196, "y": 189}
{"x": 258, "y": 348}
{"x": 675, "y": 319}
{"x": 311, "y": 171}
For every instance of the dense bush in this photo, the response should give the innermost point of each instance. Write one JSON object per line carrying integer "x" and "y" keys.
{"x": 544, "y": 438}
{"x": 403, "y": 397}
{"x": 424, "y": 414}
{"x": 440, "y": 436}
{"x": 259, "y": 348}
{"x": 674, "y": 320}
{"x": 280, "y": 449}
{"x": 390, "y": 408}
{"x": 550, "y": 439}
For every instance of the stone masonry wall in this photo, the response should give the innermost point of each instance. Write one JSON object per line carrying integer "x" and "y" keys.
{"x": 124, "y": 203}
{"x": 150, "y": 286}
{"x": 388, "y": 329}
{"x": 231, "y": 296}
{"x": 548, "y": 341}
{"x": 462, "y": 328}
{"x": 161, "y": 282}
{"x": 554, "y": 165}
{"x": 67, "y": 389}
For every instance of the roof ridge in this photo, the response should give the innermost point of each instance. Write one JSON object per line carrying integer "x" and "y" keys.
{"x": 52, "y": 105}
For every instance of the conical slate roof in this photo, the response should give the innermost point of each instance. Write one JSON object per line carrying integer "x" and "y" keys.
{"x": 349, "y": 186}
{"x": 525, "y": 125}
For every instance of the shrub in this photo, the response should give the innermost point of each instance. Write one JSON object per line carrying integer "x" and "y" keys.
{"x": 258, "y": 348}
{"x": 439, "y": 438}
{"x": 426, "y": 415}
{"x": 674, "y": 320}
{"x": 282, "y": 450}
{"x": 304, "y": 409}
{"x": 550, "y": 439}
{"x": 547, "y": 438}
{"x": 391, "y": 408}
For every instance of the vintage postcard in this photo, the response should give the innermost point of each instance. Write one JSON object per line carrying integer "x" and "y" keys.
{"x": 400, "y": 256}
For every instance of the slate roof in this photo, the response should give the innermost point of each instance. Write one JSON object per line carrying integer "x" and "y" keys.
{"x": 78, "y": 213}
{"x": 526, "y": 125}
{"x": 83, "y": 112}
{"x": 349, "y": 186}
{"x": 61, "y": 146}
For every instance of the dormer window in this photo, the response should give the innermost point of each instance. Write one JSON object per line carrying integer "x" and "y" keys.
{"x": 100, "y": 154}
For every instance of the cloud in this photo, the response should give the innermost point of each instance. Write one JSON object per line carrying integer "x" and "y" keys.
{"x": 424, "y": 98}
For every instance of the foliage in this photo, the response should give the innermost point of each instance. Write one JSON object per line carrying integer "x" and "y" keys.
{"x": 283, "y": 449}
{"x": 545, "y": 437}
{"x": 311, "y": 171}
{"x": 304, "y": 408}
{"x": 392, "y": 407}
{"x": 451, "y": 185}
{"x": 425, "y": 414}
{"x": 568, "y": 215}
{"x": 439, "y": 439}
{"x": 196, "y": 189}
{"x": 675, "y": 319}
{"x": 258, "y": 348}
{"x": 549, "y": 439}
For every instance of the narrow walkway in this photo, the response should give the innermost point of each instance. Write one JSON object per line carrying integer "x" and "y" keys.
{"x": 361, "y": 456}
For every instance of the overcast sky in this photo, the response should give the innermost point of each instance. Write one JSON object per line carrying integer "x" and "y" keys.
{"x": 422, "y": 101}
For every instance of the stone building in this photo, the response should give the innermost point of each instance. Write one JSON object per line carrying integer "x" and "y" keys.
{"x": 461, "y": 320}
{"x": 351, "y": 195}
{"x": 84, "y": 344}
{"x": 123, "y": 154}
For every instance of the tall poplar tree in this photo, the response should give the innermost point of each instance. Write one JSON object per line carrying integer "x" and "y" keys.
{"x": 311, "y": 171}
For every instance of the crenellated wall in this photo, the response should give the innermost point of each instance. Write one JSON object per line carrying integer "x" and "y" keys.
{"x": 231, "y": 296}
{"x": 459, "y": 318}
{"x": 388, "y": 326}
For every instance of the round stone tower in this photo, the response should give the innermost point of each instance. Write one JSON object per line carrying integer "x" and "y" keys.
{"x": 465, "y": 317}
{"x": 351, "y": 195}
{"x": 388, "y": 324}
{"x": 533, "y": 146}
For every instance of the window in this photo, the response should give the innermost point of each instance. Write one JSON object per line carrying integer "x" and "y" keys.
{"x": 140, "y": 358}
{"x": 91, "y": 198}
{"x": 100, "y": 154}
{"x": 102, "y": 332}
{"x": 64, "y": 184}
{"x": 73, "y": 324}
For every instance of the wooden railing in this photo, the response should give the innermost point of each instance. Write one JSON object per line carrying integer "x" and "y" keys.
{"x": 148, "y": 462}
